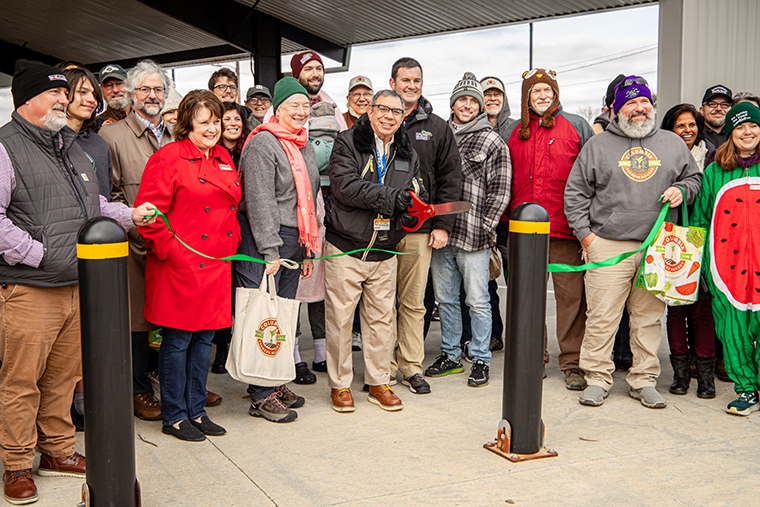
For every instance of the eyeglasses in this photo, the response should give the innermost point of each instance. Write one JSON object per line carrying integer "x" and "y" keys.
{"x": 256, "y": 100}
{"x": 114, "y": 84}
{"x": 630, "y": 82}
{"x": 358, "y": 95}
{"x": 398, "y": 113}
{"x": 723, "y": 105}
{"x": 145, "y": 90}
{"x": 224, "y": 87}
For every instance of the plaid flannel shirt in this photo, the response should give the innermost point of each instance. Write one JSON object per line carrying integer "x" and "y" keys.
{"x": 486, "y": 183}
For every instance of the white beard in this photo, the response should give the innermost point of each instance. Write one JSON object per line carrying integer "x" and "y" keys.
{"x": 53, "y": 121}
{"x": 636, "y": 130}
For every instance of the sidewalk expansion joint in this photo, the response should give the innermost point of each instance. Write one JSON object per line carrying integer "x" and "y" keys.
{"x": 244, "y": 473}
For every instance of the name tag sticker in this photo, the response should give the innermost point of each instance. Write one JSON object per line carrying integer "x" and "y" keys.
{"x": 382, "y": 224}
{"x": 225, "y": 168}
{"x": 84, "y": 177}
{"x": 754, "y": 187}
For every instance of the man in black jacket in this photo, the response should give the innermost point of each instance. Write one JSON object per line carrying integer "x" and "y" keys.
{"x": 441, "y": 172}
{"x": 371, "y": 167}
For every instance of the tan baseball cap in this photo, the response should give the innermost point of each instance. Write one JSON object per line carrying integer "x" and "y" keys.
{"x": 359, "y": 81}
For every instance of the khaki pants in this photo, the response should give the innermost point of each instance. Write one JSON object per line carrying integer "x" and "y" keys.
{"x": 347, "y": 281}
{"x": 606, "y": 292}
{"x": 570, "y": 295}
{"x": 412, "y": 281}
{"x": 40, "y": 349}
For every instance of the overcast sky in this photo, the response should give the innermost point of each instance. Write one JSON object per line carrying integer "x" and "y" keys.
{"x": 587, "y": 52}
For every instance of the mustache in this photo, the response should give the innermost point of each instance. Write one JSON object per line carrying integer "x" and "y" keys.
{"x": 58, "y": 107}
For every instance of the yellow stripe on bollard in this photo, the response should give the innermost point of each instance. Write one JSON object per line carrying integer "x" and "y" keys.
{"x": 528, "y": 227}
{"x": 103, "y": 251}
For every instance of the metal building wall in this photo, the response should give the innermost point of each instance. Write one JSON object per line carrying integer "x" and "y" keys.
{"x": 706, "y": 42}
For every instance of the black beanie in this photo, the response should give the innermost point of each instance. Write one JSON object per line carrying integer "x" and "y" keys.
{"x": 610, "y": 97}
{"x": 32, "y": 78}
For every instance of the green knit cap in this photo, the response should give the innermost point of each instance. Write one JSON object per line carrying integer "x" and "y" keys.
{"x": 284, "y": 88}
{"x": 741, "y": 113}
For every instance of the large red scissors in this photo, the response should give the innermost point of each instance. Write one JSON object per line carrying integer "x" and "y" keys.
{"x": 424, "y": 211}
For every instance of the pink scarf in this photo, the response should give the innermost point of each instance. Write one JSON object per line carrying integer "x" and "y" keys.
{"x": 308, "y": 230}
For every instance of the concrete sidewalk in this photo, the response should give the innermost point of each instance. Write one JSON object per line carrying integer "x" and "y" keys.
{"x": 431, "y": 453}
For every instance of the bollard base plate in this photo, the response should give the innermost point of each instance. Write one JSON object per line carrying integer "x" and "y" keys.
{"x": 503, "y": 444}
{"x": 86, "y": 495}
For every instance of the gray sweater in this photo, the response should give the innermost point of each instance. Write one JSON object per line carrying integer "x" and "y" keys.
{"x": 616, "y": 181}
{"x": 270, "y": 190}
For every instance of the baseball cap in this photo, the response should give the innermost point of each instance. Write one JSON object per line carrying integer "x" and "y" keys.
{"x": 716, "y": 90}
{"x": 112, "y": 70}
{"x": 359, "y": 81}
{"x": 261, "y": 89}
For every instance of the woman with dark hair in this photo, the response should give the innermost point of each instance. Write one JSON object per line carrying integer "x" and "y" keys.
{"x": 194, "y": 182}
{"x": 234, "y": 130}
{"x": 685, "y": 121}
{"x": 85, "y": 102}
{"x": 728, "y": 205}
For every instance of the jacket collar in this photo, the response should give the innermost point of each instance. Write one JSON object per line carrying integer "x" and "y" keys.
{"x": 46, "y": 138}
{"x": 364, "y": 139}
{"x": 139, "y": 128}
{"x": 190, "y": 151}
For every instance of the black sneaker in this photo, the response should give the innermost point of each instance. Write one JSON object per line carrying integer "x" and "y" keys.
{"x": 417, "y": 384}
{"x": 304, "y": 374}
{"x": 478, "y": 374}
{"x": 444, "y": 366}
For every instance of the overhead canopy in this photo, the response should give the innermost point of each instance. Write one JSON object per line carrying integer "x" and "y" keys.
{"x": 181, "y": 32}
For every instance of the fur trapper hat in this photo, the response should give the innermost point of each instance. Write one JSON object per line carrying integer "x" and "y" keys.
{"x": 531, "y": 78}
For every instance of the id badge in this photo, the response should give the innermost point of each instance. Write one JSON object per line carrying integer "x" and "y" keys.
{"x": 382, "y": 224}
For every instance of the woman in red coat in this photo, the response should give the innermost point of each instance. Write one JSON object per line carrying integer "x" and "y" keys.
{"x": 194, "y": 182}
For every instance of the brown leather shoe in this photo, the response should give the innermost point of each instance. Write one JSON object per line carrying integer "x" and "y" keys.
{"x": 18, "y": 487}
{"x": 384, "y": 397}
{"x": 341, "y": 400}
{"x": 67, "y": 466}
{"x": 212, "y": 399}
{"x": 147, "y": 407}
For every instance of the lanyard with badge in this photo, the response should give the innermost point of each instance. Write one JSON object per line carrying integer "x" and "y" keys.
{"x": 383, "y": 224}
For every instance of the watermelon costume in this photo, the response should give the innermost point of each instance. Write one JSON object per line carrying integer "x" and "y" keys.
{"x": 728, "y": 206}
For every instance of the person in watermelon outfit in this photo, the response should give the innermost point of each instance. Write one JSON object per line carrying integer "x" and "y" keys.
{"x": 726, "y": 206}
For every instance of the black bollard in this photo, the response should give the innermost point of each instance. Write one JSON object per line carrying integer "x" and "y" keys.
{"x": 520, "y": 435}
{"x": 102, "y": 250}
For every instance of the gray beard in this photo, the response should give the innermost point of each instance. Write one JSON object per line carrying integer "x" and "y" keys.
{"x": 717, "y": 125}
{"x": 636, "y": 130}
{"x": 53, "y": 121}
{"x": 144, "y": 108}
{"x": 119, "y": 104}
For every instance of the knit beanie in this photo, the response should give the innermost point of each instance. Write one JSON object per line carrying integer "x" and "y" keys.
{"x": 530, "y": 79}
{"x": 300, "y": 59}
{"x": 610, "y": 97}
{"x": 32, "y": 78}
{"x": 284, "y": 88}
{"x": 625, "y": 93}
{"x": 742, "y": 112}
{"x": 468, "y": 86}
{"x": 173, "y": 98}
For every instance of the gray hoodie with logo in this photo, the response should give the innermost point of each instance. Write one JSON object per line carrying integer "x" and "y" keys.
{"x": 616, "y": 181}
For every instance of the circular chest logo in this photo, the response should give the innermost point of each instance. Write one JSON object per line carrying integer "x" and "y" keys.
{"x": 672, "y": 256}
{"x": 269, "y": 337}
{"x": 639, "y": 164}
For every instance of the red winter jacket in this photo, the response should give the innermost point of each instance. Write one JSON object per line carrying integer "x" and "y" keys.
{"x": 541, "y": 165}
{"x": 200, "y": 197}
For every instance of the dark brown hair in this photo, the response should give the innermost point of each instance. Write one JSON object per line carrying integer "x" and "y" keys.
{"x": 76, "y": 74}
{"x": 193, "y": 102}
{"x": 669, "y": 121}
{"x": 223, "y": 72}
{"x": 234, "y": 106}
{"x": 405, "y": 63}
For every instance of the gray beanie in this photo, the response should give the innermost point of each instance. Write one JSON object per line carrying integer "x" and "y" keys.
{"x": 468, "y": 86}
{"x": 173, "y": 98}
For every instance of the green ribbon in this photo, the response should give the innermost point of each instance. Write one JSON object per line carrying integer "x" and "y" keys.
{"x": 567, "y": 268}
{"x": 283, "y": 262}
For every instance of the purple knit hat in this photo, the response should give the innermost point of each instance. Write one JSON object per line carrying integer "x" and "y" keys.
{"x": 630, "y": 88}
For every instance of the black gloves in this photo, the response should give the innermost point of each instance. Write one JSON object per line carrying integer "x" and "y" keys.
{"x": 403, "y": 200}
{"x": 408, "y": 220}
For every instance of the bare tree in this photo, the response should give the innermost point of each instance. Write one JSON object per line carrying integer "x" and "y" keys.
{"x": 587, "y": 112}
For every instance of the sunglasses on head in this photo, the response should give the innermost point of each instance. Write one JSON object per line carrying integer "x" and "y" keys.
{"x": 630, "y": 82}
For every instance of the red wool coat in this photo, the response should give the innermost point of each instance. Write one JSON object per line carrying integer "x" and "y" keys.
{"x": 200, "y": 198}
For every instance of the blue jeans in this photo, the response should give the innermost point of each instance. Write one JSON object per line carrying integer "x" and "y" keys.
{"x": 452, "y": 266}
{"x": 183, "y": 361}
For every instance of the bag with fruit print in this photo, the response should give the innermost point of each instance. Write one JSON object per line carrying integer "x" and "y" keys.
{"x": 671, "y": 267}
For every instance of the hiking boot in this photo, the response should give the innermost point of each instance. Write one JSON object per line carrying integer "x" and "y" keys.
{"x": 705, "y": 377}
{"x": 341, "y": 400}
{"x": 444, "y": 366}
{"x": 593, "y": 396}
{"x": 303, "y": 374}
{"x": 18, "y": 487}
{"x": 288, "y": 397}
{"x": 66, "y": 466}
{"x": 466, "y": 356}
{"x": 681, "y": 373}
{"x": 417, "y": 384}
{"x": 496, "y": 343}
{"x": 385, "y": 398}
{"x": 478, "y": 374}
{"x": 649, "y": 397}
{"x": 147, "y": 407}
{"x": 212, "y": 399}
{"x": 745, "y": 404}
{"x": 574, "y": 380}
{"x": 720, "y": 370}
{"x": 272, "y": 409}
